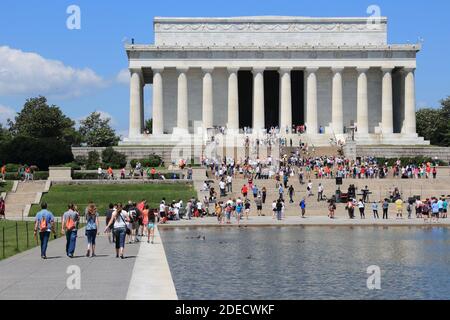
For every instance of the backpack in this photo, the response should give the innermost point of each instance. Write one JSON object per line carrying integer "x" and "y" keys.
{"x": 43, "y": 224}
{"x": 133, "y": 215}
{"x": 70, "y": 224}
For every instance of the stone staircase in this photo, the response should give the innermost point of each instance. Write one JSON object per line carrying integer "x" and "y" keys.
{"x": 379, "y": 188}
{"x": 22, "y": 197}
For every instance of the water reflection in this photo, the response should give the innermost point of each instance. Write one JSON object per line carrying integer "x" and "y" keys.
{"x": 308, "y": 263}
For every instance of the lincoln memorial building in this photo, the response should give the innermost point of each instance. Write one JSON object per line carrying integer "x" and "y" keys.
{"x": 335, "y": 76}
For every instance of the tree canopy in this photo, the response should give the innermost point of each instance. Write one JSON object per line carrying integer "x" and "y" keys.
{"x": 434, "y": 124}
{"x": 97, "y": 132}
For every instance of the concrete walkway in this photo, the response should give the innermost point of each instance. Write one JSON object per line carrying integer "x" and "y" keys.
{"x": 308, "y": 221}
{"x": 27, "y": 276}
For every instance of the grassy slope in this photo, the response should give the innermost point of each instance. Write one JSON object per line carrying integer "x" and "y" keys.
{"x": 5, "y": 187}
{"x": 60, "y": 195}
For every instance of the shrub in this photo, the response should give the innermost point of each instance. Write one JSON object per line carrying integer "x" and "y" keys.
{"x": 42, "y": 152}
{"x": 113, "y": 159}
{"x": 80, "y": 160}
{"x": 153, "y": 160}
{"x": 84, "y": 175}
{"x": 93, "y": 160}
{"x": 73, "y": 165}
{"x": 12, "y": 167}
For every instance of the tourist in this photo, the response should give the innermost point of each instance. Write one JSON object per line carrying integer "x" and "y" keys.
{"x": 2, "y": 208}
{"x": 3, "y": 172}
{"x": 228, "y": 210}
{"x": 247, "y": 208}
{"x": 280, "y": 192}
{"x": 222, "y": 186}
{"x": 134, "y": 216}
{"x": 385, "y": 209}
{"x": 44, "y": 222}
{"x": 100, "y": 173}
{"x": 440, "y": 207}
{"x": 350, "y": 208}
{"x": 274, "y": 209}
{"x": 229, "y": 183}
{"x": 92, "y": 225}
{"x": 263, "y": 195}
{"x": 69, "y": 226}
{"x": 409, "y": 209}
{"x": 399, "y": 208}
{"x": 239, "y": 209}
{"x": 445, "y": 208}
{"x": 259, "y": 203}
{"x": 331, "y": 209}
{"x": 320, "y": 192}
{"x": 434, "y": 210}
{"x": 375, "y": 210}
{"x": 108, "y": 215}
{"x": 291, "y": 194}
{"x": 119, "y": 219}
{"x": 361, "y": 207}
{"x": 309, "y": 188}
{"x": 162, "y": 211}
{"x": 218, "y": 211}
{"x": 149, "y": 221}
{"x": 244, "y": 191}
{"x": 279, "y": 209}
{"x": 122, "y": 173}
{"x": 426, "y": 210}
{"x": 255, "y": 191}
{"x": 419, "y": 206}
{"x": 303, "y": 207}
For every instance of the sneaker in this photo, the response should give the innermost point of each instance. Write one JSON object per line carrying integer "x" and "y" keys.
{"x": 117, "y": 255}
{"x": 87, "y": 254}
{"x": 93, "y": 255}
{"x": 121, "y": 257}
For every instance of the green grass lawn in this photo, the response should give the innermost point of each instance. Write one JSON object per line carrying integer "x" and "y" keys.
{"x": 6, "y": 186}
{"x": 60, "y": 196}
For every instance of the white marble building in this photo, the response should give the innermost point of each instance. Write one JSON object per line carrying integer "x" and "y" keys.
{"x": 261, "y": 72}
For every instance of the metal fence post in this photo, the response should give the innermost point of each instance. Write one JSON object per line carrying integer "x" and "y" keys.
{"x": 26, "y": 227}
{"x": 17, "y": 236}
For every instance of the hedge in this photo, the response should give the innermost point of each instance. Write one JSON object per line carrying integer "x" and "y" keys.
{"x": 152, "y": 161}
{"x": 38, "y": 175}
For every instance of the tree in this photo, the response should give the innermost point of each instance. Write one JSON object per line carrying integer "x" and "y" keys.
{"x": 39, "y": 120}
{"x": 149, "y": 125}
{"x": 434, "y": 124}
{"x": 4, "y": 134}
{"x": 113, "y": 159}
{"x": 97, "y": 132}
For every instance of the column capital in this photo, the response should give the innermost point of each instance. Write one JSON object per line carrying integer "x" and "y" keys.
{"x": 207, "y": 69}
{"x": 386, "y": 70}
{"x": 182, "y": 70}
{"x": 139, "y": 72}
{"x": 157, "y": 69}
{"x": 362, "y": 69}
{"x": 337, "y": 70}
{"x": 233, "y": 69}
{"x": 258, "y": 70}
{"x": 312, "y": 69}
{"x": 283, "y": 70}
{"x": 407, "y": 70}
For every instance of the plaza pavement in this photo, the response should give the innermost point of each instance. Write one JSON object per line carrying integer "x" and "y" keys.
{"x": 144, "y": 274}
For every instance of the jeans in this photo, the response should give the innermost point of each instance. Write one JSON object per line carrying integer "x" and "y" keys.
{"x": 44, "y": 236}
{"x": 120, "y": 234}
{"x": 279, "y": 215}
{"x": 71, "y": 237}
{"x": 385, "y": 213}
{"x": 91, "y": 235}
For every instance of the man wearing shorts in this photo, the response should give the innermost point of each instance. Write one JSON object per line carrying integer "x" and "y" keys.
{"x": 258, "y": 202}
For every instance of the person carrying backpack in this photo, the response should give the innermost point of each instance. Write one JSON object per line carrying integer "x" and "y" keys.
{"x": 69, "y": 226}
{"x": 43, "y": 223}
{"x": 119, "y": 219}
{"x": 92, "y": 225}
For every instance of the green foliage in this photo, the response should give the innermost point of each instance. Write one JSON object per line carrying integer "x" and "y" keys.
{"x": 113, "y": 159}
{"x": 93, "y": 160}
{"x": 37, "y": 175}
{"x": 73, "y": 165}
{"x": 42, "y": 152}
{"x": 5, "y": 134}
{"x": 85, "y": 175}
{"x": 434, "y": 124}
{"x": 97, "y": 132}
{"x": 80, "y": 160}
{"x": 149, "y": 125}
{"x": 411, "y": 160}
{"x": 39, "y": 120}
{"x": 153, "y": 160}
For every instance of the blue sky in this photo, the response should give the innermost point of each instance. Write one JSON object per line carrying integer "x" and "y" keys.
{"x": 90, "y": 59}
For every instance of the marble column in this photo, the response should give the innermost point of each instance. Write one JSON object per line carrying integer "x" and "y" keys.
{"x": 311, "y": 101}
{"x": 136, "y": 94}
{"x": 182, "y": 101}
{"x": 362, "y": 102}
{"x": 258, "y": 100}
{"x": 387, "y": 104}
{"x": 207, "y": 100}
{"x": 285, "y": 100}
{"x": 233, "y": 100}
{"x": 158, "y": 114}
{"x": 409, "y": 124}
{"x": 337, "y": 113}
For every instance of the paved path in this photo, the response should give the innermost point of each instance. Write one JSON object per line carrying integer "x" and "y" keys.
{"x": 26, "y": 276}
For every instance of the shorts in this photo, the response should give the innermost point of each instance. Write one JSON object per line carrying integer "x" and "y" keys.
{"x": 151, "y": 225}
{"x": 435, "y": 214}
{"x": 259, "y": 208}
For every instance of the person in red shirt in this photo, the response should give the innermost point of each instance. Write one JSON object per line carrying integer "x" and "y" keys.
{"x": 3, "y": 172}
{"x": 244, "y": 191}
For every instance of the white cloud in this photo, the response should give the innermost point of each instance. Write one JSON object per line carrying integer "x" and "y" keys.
{"x": 123, "y": 76}
{"x": 31, "y": 74}
{"x": 6, "y": 113}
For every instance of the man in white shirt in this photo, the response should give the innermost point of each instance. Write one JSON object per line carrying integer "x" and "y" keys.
{"x": 222, "y": 188}
{"x": 320, "y": 192}
{"x": 229, "y": 183}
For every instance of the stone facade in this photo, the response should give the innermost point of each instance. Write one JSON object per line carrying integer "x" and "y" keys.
{"x": 351, "y": 76}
